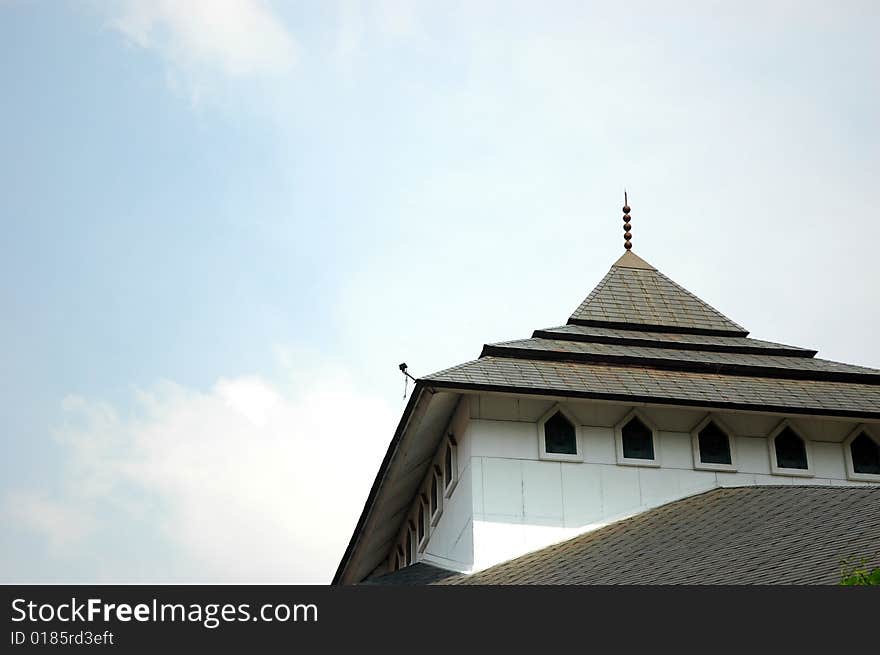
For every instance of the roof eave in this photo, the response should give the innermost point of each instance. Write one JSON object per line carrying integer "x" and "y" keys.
{"x": 677, "y": 345}
{"x": 417, "y": 394}
{"x": 648, "y": 327}
{"x": 662, "y": 363}
{"x": 655, "y": 400}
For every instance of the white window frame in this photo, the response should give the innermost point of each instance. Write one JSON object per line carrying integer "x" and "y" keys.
{"x": 413, "y": 541}
{"x": 655, "y": 441}
{"x": 808, "y": 448}
{"x": 449, "y": 485}
{"x": 699, "y": 464}
{"x": 847, "y": 454}
{"x": 436, "y": 478}
{"x": 423, "y": 507}
{"x": 578, "y": 456}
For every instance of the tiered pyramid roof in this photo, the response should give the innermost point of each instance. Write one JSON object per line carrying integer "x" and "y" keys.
{"x": 641, "y": 337}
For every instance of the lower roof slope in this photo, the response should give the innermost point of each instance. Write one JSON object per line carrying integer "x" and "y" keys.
{"x": 743, "y": 535}
{"x": 415, "y": 574}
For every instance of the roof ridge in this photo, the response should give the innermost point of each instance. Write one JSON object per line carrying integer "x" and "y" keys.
{"x": 599, "y": 287}
{"x": 696, "y": 297}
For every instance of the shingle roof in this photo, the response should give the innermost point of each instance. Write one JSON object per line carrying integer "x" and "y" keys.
{"x": 669, "y": 339}
{"x": 644, "y": 344}
{"x": 415, "y": 574}
{"x": 561, "y": 349}
{"x": 641, "y": 338}
{"x": 745, "y": 535}
{"x": 635, "y": 293}
{"x": 652, "y": 385}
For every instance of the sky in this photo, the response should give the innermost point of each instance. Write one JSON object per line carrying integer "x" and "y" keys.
{"x": 225, "y": 223}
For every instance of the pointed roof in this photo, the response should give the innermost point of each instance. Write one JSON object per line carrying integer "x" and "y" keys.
{"x": 641, "y": 337}
{"x": 635, "y": 295}
{"x": 637, "y": 338}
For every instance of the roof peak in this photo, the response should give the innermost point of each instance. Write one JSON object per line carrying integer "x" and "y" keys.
{"x": 631, "y": 260}
{"x": 636, "y": 296}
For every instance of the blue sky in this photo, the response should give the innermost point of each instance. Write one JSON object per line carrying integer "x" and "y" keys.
{"x": 225, "y": 223}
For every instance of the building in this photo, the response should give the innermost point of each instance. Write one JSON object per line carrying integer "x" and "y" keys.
{"x": 648, "y": 439}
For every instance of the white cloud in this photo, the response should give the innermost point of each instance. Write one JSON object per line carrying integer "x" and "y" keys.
{"x": 236, "y": 37}
{"x": 63, "y": 525}
{"x": 247, "y": 482}
{"x": 360, "y": 25}
{"x": 396, "y": 17}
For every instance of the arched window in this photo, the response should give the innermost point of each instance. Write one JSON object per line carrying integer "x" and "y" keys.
{"x": 557, "y": 436}
{"x": 422, "y": 523}
{"x": 637, "y": 440}
{"x": 714, "y": 445}
{"x": 450, "y": 465}
{"x": 436, "y": 495}
{"x": 410, "y": 545}
{"x": 862, "y": 455}
{"x": 789, "y": 452}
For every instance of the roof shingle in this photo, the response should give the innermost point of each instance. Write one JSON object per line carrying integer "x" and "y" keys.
{"x": 645, "y": 297}
{"x": 669, "y": 340}
{"x": 561, "y": 349}
{"x": 646, "y": 384}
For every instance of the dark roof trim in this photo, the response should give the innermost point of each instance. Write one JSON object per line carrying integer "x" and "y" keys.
{"x": 419, "y": 573}
{"x": 675, "y": 345}
{"x": 651, "y": 400}
{"x": 418, "y": 390}
{"x": 490, "y": 350}
{"x": 647, "y": 327}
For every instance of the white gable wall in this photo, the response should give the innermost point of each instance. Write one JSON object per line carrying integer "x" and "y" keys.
{"x": 451, "y": 544}
{"x": 509, "y": 502}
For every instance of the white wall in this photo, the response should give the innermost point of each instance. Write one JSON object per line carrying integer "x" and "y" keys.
{"x": 509, "y": 502}
{"x": 451, "y": 544}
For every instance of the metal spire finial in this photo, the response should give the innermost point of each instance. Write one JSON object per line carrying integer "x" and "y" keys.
{"x": 627, "y": 235}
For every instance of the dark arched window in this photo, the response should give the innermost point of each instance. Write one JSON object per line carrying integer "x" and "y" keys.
{"x": 791, "y": 452}
{"x": 559, "y": 435}
{"x": 865, "y": 455}
{"x": 714, "y": 445}
{"x": 638, "y": 440}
